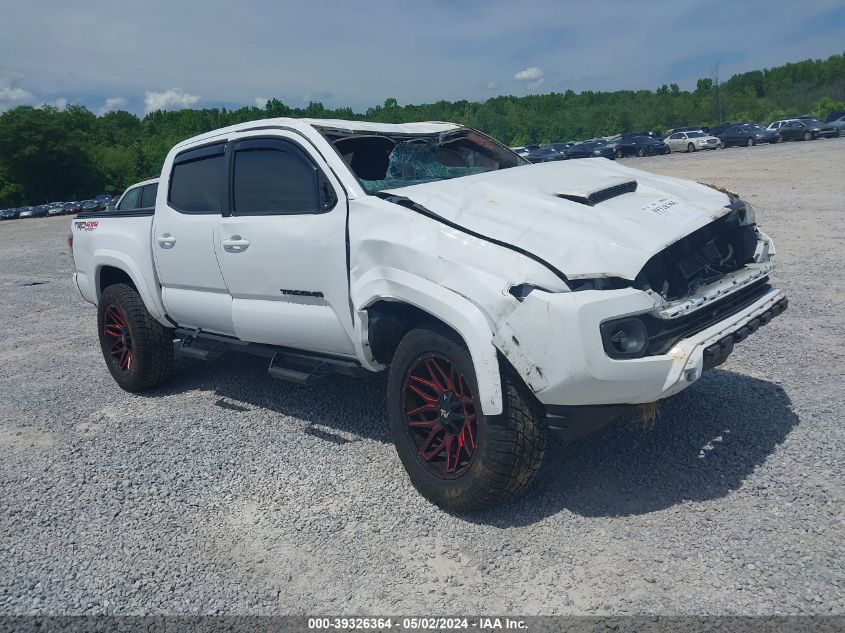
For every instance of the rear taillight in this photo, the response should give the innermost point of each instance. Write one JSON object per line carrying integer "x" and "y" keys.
{"x": 70, "y": 242}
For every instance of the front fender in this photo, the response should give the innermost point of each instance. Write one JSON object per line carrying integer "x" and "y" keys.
{"x": 121, "y": 261}
{"x": 455, "y": 310}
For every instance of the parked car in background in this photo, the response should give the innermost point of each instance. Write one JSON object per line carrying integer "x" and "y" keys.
{"x": 41, "y": 211}
{"x": 138, "y": 196}
{"x": 692, "y": 141}
{"x": 25, "y": 212}
{"x": 560, "y": 148}
{"x": 72, "y": 207}
{"x": 520, "y": 150}
{"x": 104, "y": 200}
{"x": 837, "y": 120}
{"x": 56, "y": 208}
{"x": 717, "y": 130}
{"x": 797, "y": 130}
{"x": 766, "y": 135}
{"x": 741, "y": 135}
{"x": 544, "y": 155}
{"x": 9, "y": 214}
{"x": 826, "y": 130}
{"x": 590, "y": 149}
{"x": 639, "y": 146}
{"x": 90, "y": 205}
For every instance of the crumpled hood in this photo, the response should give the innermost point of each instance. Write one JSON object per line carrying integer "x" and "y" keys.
{"x": 522, "y": 206}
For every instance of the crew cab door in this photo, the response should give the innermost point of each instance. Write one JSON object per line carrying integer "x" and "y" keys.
{"x": 189, "y": 208}
{"x": 282, "y": 249}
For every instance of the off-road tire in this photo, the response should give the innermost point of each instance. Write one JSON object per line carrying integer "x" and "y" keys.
{"x": 509, "y": 448}
{"x": 151, "y": 342}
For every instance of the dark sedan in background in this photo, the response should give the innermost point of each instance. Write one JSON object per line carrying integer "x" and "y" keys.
{"x": 72, "y": 208}
{"x": 591, "y": 149}
{"x": 826, "y": 130}
{"x": 799, "y": 130}
{"x": 544, "y": 155}
{"x": 639, "y": 146}
{"x": 743, "y": 135}
{"x": 9, "y": 214}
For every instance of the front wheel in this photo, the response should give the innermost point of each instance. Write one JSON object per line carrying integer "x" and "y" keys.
{"x": 138, "y": 350}
{"x": 641, "y": 152}
{"x": 455, "y": 456}
{"x": 690, "y": 148}
{"x": 808, "y": 136}
{"x": 749, "y": 142}
{"x": 619, "y": 153}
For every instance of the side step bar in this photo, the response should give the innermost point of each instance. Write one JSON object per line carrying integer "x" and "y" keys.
{"x": 285, "y": 363}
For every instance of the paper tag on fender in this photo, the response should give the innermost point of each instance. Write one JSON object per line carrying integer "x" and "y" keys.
{"x": 671, "y": 211}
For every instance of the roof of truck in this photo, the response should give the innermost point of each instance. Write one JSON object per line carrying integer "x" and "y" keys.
{"x": 428, "y": 127}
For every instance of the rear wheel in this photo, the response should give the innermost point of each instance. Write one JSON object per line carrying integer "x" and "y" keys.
{"x": 138, "y": 350}
{"x": 455, "y": 456}
{"x": 749, "y": 142}
{"x": 619, "y": 153}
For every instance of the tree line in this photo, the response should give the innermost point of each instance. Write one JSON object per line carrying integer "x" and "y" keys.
{"x": 49, "y": 154}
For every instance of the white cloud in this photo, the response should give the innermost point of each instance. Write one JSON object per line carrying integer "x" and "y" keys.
{"x": 173, "y": 99}
{"x": 60, "y": 103}
{"x": 261, "y": 102}
{"x": 491, "y": 85}
{"x": 532, "y": 73}
{"x": 11, "y": 95}
{"x": 111, "y": 104}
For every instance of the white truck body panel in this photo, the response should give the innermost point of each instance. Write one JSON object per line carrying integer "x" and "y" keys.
{"x": 522, "y": 207}
{"x": 307, "y": 281}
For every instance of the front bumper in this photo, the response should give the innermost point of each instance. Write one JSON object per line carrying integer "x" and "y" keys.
{"x": 553, "y": 342}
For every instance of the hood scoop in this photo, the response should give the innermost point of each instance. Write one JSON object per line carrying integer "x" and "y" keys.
{"x": 592, "y": 198}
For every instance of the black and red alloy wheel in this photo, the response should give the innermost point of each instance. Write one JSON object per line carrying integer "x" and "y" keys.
{"x": 440, "y": 414}
{"x": 117, "y": 338}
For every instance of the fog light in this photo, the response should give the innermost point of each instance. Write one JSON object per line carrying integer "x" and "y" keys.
{"x": 624, "y": 338}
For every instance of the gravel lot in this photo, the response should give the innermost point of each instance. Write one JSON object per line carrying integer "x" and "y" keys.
{"x": 230, "y": 492}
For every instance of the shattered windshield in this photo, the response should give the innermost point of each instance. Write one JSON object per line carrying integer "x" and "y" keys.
{"x": 389, "y": 161}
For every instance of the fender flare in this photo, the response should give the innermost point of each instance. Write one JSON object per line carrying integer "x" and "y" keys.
{"x": 453, "y": 309}
{"x": 116, "y": 259}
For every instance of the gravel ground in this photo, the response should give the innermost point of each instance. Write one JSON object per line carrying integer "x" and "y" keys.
{"x": 230, "y": 492}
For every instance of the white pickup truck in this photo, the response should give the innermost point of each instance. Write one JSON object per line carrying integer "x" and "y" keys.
{"x": 504, "y": 299}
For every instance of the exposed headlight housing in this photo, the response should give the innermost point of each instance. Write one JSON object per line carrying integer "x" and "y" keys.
{"x": 520, "y": 291}
{"x": 624, "y": 338}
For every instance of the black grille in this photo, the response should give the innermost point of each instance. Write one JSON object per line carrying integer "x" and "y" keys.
{"x": 605, "y": 194}
{"x": 664, "y": 333}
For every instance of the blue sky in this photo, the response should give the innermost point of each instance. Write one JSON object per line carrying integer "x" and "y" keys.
{"x": 170, "y": 54}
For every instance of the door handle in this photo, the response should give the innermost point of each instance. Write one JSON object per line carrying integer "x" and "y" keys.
{"x": 166, "y": 240}
{"x": 235, "y": 244}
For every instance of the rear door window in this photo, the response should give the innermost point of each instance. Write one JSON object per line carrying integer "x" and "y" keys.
{"x": 198, "y": 181}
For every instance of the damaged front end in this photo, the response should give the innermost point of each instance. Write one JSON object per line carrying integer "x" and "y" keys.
{"x": 636, "y": 341}
{"x": 706, "y": 255}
